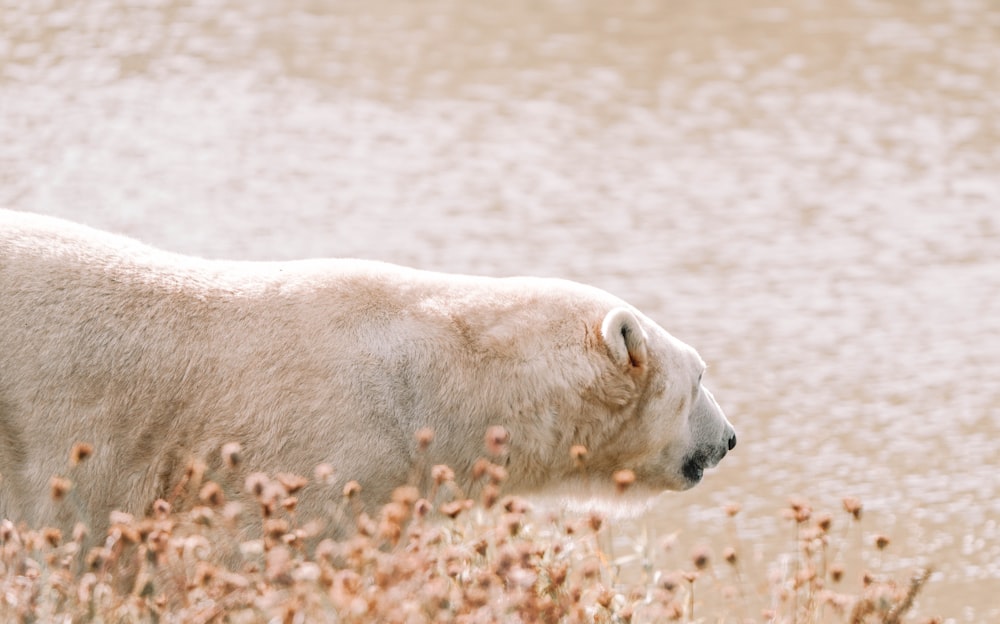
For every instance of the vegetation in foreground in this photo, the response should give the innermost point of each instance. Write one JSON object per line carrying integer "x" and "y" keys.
{"x": 425, "y": 557}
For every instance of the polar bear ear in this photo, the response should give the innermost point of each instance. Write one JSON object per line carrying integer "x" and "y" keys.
{"x": 625, "y": 337}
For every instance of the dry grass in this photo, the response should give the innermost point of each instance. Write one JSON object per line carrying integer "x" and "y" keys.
{"x": 451, "y": 560}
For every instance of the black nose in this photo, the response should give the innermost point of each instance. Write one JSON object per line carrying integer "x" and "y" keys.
{"x": 732, "y": 441}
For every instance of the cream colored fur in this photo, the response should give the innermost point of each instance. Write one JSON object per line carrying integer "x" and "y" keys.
{"x": 155, "y": 358}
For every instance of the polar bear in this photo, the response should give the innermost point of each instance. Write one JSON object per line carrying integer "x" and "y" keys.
{"x": 154, "y": 358}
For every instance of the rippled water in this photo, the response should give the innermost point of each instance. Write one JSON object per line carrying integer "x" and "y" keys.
{"x": 808, "y": 192}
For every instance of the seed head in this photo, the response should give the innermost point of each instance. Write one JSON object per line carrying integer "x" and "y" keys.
{"x": 515, "y": 504}
{"x": 490, "y": 495}
{"x": 853, "y": 506}
{"x": 323, "y": 473}
{"x": 352, "y": 488}
{"x": 52, "y": 536}
{"x": 800, "y": 509}
{"x": 161, "y": 508}
{"x": 496, "y": 440}
{"x": 732, "y": 509}
{"x": 195, "y": 471}
{"x": 881, "y": 541}
{"x": 121, "y": 517}
{"x": 823, "y": 522}
{"x": 424, "y": 438}
{"x": 291, "y": 482}
{"x": 211, "y": 494}
{"x": 498, "y": 474}
{"x": 578, "y": 452}
{"x": 7, "y": 531}
{"x": 405, "y": 495}
{"x": 59, "y": 487}
{"x": 232, "y": 454}
{"x": 595, "y": 521}
{"x": 204, "y": 572}
{"x": 453, "y": 508}
{"x": 623, "y": 480}
{"x": 701, "y": 558}
{"x": 274, "y": 528}
{"x": 80, "y": 452}
{"x": 422, "y": 507}
{"x": 729, "y": 554}
{"x": 256, "y": 483}
{"x": 442, "y": 474}
{"x": 836, "y": 572}
{"x": 480, "y": 468}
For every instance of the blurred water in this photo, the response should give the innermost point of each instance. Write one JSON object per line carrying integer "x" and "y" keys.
{"x": 808, "y": 192}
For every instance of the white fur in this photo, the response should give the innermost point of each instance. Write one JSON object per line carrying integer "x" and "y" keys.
{"x": 155, "y": 358}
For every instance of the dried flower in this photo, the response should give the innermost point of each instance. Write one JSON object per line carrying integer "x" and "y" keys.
{"x": 800, "y": 509}
{"x": 405, "y": 495}
{"x": 515, "y": 504}
{"x": 497, "y": 438}
{"x": 211, "y": 494}
{"x": 881, "y": 541}
{"x": 232, "y": 454}
{"x": 490, "y": 495}
{"x": 595, "y": 521}
{"x": 422, "y": 507}
{"x": 121, "y": 517}
{"x": 256, "y": 483}
{"x": 732, "y": 509}
{"x": 452, "y": 509}
{"x": 161, "y": 508}
{"x": 274, "y": 528}
{"x": 590, "y": 568}
{"x": 836, "y": 572}
{"x": 352, "y": 488}
{"x": 442, "y": 474}
{"x": 498, "y": 474}
{"x": 824, "y": 521}
{"x": 7, "y": 530}
{"x": 701, "y": 558}
{"x": 194, "y": 472}
{"x": 323, "y": 473}
{"x": 80, "y": 452}
{"x": 853, "y": 506}
{"x": 59, "y": 487}
{"x": 480, "y": 468}
{"x": 729, "y": 554}
{"x": 52, "y": 536}
{"x": 424, "y": 438}
{"x": 578, "y": 452}
{"x": 291, "y": 482}
{"x": 623, "y": 480}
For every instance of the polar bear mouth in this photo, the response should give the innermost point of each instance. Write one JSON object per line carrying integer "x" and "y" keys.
{"x": 695, "y": 464}
{"x": 694, "y": 468}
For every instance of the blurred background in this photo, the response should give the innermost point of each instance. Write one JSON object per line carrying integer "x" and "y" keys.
{"x": 808, "y": 192}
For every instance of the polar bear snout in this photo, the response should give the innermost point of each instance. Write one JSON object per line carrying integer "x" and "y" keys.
{"x": 712, "y": 438}
{"x": 707, "y": 456}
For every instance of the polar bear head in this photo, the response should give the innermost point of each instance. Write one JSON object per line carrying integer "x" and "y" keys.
{"x": 646, "y": 410}
{"x": 689, "y": 427}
